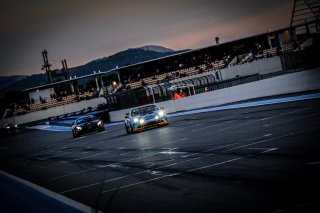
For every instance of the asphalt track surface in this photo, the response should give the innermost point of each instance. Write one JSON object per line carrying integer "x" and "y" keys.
{"x": 255, "y": 159}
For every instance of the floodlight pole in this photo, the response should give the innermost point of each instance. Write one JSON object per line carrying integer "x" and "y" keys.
{"x": 189, "y": 91}
{"x": 194, "y": 91}
{"x": 152, "y": 94}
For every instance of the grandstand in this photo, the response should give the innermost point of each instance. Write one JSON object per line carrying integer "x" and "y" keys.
{"x": 53, "y": 103}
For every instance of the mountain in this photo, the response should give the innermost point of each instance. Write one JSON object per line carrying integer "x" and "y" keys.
{"x": 120, "y": 59}
{"x": 156, "y": 48}
{"x": 27, "y": 82}
{"x": 6, "y": 81}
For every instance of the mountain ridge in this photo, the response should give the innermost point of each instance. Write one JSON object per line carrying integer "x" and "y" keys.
{"x": 156, "y": 48}
{"x": 6, "y": 81}
{"x": 123, "y": 58}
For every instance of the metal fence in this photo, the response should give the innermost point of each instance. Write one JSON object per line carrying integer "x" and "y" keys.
{"x": 293, "y": 61}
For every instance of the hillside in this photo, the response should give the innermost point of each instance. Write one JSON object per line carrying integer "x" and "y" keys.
{"x": 156, "y": 48}
{"x": 120, "y": 59}
{"x": 6, "y": 81}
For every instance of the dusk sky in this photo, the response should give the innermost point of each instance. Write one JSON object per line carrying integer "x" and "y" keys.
{"x": 83, "y": 30}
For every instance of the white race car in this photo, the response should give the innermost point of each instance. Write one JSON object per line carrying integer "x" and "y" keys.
{"x": 144, "y": 117}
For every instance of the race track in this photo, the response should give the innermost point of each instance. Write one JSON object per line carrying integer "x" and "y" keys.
{"x": 254, "y": 159}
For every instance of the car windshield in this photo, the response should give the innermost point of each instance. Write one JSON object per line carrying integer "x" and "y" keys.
{"x": 143, "y": 110}
{"x": 83, "y": 120}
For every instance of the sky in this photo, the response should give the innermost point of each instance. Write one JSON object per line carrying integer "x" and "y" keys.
{"x": 83, "y": 30}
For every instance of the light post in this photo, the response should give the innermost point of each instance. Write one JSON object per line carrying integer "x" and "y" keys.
{"x": 217, "y": 39}
{"x": 152, "y": 94}
{"x": 219, "y": 71}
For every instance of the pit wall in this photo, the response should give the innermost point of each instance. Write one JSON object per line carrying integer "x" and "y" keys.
{"x": 56, "y": 111}
{"x": 289, "y": 83}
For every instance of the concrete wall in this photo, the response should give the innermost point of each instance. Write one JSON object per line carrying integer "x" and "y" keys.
{"x": 290, "y": 83}
{"x": 43, "y": 114}
{"x": 263, "y": 66}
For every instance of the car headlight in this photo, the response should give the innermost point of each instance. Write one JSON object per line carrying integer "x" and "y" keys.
{"x": 161, "y": 113}
{"x": 135, "y": 120}
{"x": 78, "y": 128}
{"x": 157, "y": 117}
{"x": 141, "y": 121}
{"x": 99, "y": 123}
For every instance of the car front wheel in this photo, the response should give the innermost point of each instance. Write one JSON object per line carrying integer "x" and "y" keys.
{"x": 128, "y": 129}
{"x": 75, "y": 135}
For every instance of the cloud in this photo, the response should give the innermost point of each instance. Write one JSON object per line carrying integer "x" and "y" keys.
{"x": 206, "y": 30}
{"x": 81, "y": 30}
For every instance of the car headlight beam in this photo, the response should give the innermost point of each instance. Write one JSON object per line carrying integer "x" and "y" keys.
{"x": 78, "y": 128}
{"x": 136, "y": 120}
{"x": 141, "y": 121}
{"x": 161, "y": 113}
{"x": 99, "y": 123}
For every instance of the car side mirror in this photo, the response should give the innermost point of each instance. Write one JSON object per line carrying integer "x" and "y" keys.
{"x": 127, "y": 115}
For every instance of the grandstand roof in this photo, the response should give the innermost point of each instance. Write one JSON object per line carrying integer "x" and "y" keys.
{"x": 69, "y": 80}
{"x": 149, "y": 61}
{"x": 202, "y": 48}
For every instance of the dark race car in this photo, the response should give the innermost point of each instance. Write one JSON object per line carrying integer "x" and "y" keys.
{"x": 144, "y": 117}
{"x": 87, "y": 124}
{"x": 9, "y": 127}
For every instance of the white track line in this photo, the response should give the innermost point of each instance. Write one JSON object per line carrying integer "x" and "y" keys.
{"x": 243, "y": 124}
{"x": 174, "y": 174}
{"x": 144, "y": 156}
{"x": 161, "y": 167}
{"x": 286, "y": 121}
